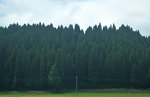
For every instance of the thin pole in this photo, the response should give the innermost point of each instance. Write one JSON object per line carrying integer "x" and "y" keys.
{"x": 76, "y": 86}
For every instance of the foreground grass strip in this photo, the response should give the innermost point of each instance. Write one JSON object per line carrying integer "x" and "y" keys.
{"x": 80, "y": 95}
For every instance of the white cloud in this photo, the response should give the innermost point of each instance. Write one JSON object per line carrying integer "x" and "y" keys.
{"x": 84, "y": 12}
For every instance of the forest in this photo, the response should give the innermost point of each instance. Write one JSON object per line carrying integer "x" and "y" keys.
{"x": 42, "y": 57}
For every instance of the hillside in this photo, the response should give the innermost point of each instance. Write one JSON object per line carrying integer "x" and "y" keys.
{"x": 44, "y": 57}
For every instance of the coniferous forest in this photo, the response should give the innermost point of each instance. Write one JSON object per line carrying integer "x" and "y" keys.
{"x": 36, "y": 57}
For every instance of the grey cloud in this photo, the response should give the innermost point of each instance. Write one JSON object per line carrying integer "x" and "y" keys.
{"x": 84, "y": 12}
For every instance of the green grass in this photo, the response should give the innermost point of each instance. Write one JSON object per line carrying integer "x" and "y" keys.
{"x": 79, "y": 95}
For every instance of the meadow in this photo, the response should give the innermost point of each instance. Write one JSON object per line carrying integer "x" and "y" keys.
{"x": 74, "y": 95}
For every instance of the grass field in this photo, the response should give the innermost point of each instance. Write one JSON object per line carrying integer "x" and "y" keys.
{"x": 74, "y": 95}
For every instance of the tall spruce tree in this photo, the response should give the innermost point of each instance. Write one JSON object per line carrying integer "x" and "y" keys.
{"x": 54, "y": 80}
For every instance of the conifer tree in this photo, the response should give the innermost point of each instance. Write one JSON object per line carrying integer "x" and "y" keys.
{"x": 54, "y": 80}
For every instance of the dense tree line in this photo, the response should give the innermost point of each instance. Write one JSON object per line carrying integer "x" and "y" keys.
{"x": 45, "y": 57}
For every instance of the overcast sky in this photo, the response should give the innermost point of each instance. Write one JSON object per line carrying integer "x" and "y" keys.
{"x": 135, "y": 13}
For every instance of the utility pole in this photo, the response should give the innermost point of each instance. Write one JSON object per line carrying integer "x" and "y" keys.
{"x": 76, "y": 86}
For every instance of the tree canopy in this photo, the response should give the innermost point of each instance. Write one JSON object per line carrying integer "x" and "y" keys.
{"x": 43, "y": 57}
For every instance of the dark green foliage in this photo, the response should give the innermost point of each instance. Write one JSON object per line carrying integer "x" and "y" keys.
{"x": 44, "y": 57}
{"x": 54, "y": 80}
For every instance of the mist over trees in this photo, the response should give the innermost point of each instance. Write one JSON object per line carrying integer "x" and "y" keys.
{"x": 44, "y": 57}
